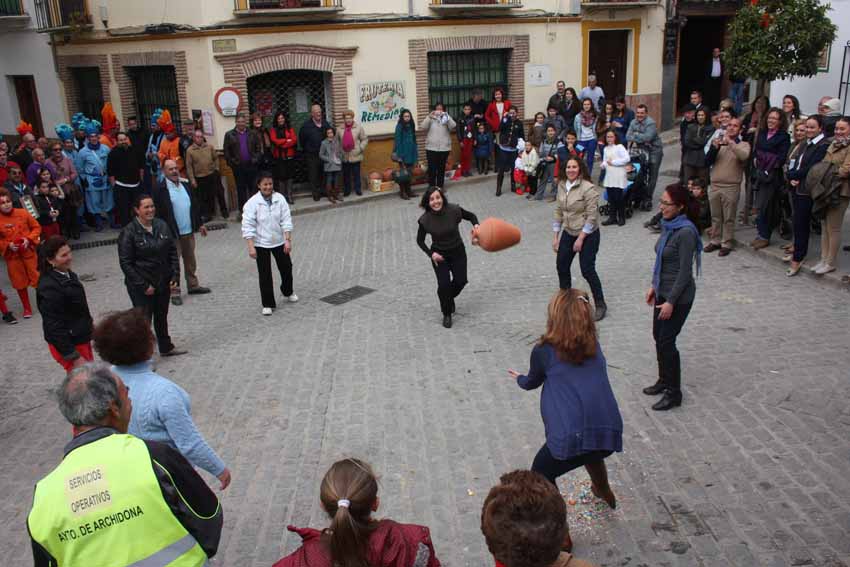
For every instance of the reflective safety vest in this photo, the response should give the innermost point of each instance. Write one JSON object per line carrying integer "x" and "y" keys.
{"x": 103, "y": 507}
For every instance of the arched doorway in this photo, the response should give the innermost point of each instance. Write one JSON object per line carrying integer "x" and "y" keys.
{"x": 294, "y": 92}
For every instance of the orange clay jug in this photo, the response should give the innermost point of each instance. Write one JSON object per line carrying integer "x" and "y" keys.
{"x": 495, "y": 234}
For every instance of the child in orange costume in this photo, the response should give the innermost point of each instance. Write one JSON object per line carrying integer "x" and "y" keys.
{"x": 19, "y": 235}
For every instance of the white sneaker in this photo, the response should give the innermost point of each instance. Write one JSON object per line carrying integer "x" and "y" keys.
{"x": 267, "y": 311}
{"x": 817, "y": 267}
{"x": 293, "y": 298}
{"x": 824, "y": 269}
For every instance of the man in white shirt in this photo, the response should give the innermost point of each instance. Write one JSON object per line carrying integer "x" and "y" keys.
{"x": 714, "y": 80}
{"x": 592, "y": 91}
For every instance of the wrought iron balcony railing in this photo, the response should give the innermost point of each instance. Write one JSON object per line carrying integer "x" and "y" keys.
{"x": 285, "y": 7}
{"x": 55, "y": 15}
{"x": 474, "y": 4}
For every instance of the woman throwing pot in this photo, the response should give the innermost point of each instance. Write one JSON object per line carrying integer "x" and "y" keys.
{"x": 267, "y": 227}
{"x": 447, "y": 252}
{"x": 580, "y": 413}
{"x": 576, "y": 227}
{"x": 147, "y": 253}
{"x": 673, "y": 289}
{"x": 61, "y": 299}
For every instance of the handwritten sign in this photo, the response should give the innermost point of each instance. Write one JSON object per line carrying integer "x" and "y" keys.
{"x": 381, "y": 101}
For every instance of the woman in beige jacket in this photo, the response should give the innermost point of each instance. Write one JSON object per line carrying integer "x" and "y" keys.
{"x": 576, "y": 228}
{"x": 830, "y": 235}
{"x": 353, "y": 141}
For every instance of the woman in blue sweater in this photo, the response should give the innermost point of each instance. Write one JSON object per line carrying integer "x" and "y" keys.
{"x": 162, "y": 410}
{"x": 580, "y": 414}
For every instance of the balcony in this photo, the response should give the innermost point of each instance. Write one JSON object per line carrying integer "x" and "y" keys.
{"x": 62, "y": 15}
{"x": 286, "y": 7}
{"x": 618, "y": 3}
{"x": 473, "y": 5}
{"x": 12, "y": 15}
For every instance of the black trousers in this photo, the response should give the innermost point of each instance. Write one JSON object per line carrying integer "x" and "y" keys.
{"x": 802, "y": 224}
{"x": 209, "y": 189}
{"x": 451, "y": 277}
{"x": 616, "y": 202}
{"x": 586, "y": 259}
{"x": 314, "y": 174}
{"x": 550, "y": 467}
{"x": 665, "y": 332}
{"x": 436, "y": 168}
{"x": 124, "y": 198}
{"x": 351, "y": 178}
{"x": 245, "y": 188}
{"x": 156, "y": 309}
{"x": 264, "y": 267}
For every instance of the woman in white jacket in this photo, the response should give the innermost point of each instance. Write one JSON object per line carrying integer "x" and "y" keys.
{"x": 438, "y": 143}
{"x": 615, "y": 158}
{"x": 267, "y": 227}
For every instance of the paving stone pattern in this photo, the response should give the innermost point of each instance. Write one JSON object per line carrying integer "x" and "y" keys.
{"x": 751, "y": 470}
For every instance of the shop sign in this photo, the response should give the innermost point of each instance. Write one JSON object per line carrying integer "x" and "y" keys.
{"x": 381, "y": 101}
{"x": 227, "y": 101}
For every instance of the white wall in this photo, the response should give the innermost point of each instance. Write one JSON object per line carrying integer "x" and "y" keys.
{"x": 810, "y": 89}
{"x": 26, "y": 52}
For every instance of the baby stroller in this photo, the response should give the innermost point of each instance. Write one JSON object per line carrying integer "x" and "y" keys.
{"x": 637, "y": 181}
{"x": 639, "y": 178}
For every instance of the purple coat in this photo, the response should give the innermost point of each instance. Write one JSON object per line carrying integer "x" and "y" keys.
{"x": 35, "y": 167}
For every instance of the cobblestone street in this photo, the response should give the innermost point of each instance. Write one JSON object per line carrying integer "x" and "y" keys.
{"x": 753, "y": 469}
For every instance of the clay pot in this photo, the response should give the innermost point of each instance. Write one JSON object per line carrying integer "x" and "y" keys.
{"x": 388, "y": 174}
{"x": 495, "y": 234}
{"x": 374, "y": 175}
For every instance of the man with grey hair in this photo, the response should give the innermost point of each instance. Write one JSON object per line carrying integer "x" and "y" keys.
{"x": 39, "y": 161}
{"x": 594, "y": 92}
{"x": 115, "y": 495}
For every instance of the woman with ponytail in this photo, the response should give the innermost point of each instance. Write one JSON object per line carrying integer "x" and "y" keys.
{"x": 349, "y": 495}
{"x": 673, "y": 288}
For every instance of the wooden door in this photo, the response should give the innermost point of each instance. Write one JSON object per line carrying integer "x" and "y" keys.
{"x": 609, "y": 51}
{"x": 28, "y": 102}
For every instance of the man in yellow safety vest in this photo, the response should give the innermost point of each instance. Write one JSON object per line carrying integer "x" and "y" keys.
{"x": 116, "y": 499}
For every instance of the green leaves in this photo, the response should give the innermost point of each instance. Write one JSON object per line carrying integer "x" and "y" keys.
{"x": 776, "y": 39}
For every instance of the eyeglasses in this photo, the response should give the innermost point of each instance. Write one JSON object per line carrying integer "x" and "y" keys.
{"x": 666, "y": 203}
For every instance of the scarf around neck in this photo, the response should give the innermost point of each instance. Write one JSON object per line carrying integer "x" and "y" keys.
{"x": 838, "y": 143}
{"x": 587, "y": 118}
{"x": 668, "y": 227}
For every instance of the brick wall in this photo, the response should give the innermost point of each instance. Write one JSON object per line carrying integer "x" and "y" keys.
{"x": 66, "y": 63}
{"x": 239, "y": 67}
{"x": 652, "y": 102}
{"x": 418, "y": 50}
{"x": 123, "y": 62}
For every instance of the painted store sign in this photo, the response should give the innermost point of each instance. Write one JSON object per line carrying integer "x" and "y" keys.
{"x": 381, "y": 101}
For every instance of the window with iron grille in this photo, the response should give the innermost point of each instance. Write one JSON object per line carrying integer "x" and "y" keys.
{"x": 89, "y": 90}
{"x": 452, "y": 75}
{"x": 155, "y": 87}
{"x": 293, "y": 92}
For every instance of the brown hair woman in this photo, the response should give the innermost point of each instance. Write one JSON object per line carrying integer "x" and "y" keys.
{"x": 349, "y": 496}
{"x": 579, "y": 410}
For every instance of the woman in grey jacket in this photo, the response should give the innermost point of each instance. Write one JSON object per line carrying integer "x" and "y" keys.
{"x": 673, "y": 289}
{"x": 438, "y": 143}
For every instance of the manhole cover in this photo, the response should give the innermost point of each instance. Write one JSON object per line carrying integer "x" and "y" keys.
{"x": 347, "y": 295}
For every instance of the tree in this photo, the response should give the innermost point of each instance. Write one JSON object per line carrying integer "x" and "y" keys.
{"x": 776, "y": 39}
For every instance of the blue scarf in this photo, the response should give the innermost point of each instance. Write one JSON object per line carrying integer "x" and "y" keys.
{"x": 668, "y": 227}
{"x": 93, "y": 147}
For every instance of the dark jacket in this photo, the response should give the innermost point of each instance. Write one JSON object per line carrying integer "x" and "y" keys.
{"x": 310, "y": 137}
{"x": 232, "y": 154}
{"x": 824, "y": 186}
{"x": 478, "y": 108}
{"x": 165, "y": 211}
{"x": 683, "y": 132}
{"x": 404, "y": 144}
{"x": 694, "y": 145}
{"x": 65, "y": 314}
{"x": 466, "y": 128}
{"x": 124, "y": 165}
{"x": 139, "y": 143}
{"x": 814, "y": 153}
{"x": 510, "y": 131}
{"x": 191, "y": 501}
{"x": 43, "y": 204}
{"x": 483, "y": 145}
{"x": 148, "y": 258}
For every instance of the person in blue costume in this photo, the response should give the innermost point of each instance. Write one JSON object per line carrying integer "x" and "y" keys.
{"x": 92, "y": 171}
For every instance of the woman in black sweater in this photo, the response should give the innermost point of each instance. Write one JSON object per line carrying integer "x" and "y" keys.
{"x": 447, "y": 252}
{"x": 62, "y": 302}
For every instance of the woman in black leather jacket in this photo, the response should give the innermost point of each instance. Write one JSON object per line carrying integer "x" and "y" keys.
{"x": 147, "y": 253}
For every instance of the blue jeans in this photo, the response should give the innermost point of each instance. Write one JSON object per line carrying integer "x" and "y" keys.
{"x": 736, "y": 93}
{"x": 589, "y": 152}
{"x": 586, "y": 261}
{"x": 547, "y": 178}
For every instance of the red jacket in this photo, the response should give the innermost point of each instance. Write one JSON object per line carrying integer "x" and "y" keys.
{"x": 390, "y": 545}
{"x": 283, "y": 147}
{"x": 491, "y": 115}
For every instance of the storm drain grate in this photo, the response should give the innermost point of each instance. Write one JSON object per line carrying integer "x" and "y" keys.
{"x": 347, "y": 295}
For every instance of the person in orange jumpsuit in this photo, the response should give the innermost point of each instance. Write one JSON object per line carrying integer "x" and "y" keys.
{"x": 19, "y": 236}
{"x": 169, "y": 147}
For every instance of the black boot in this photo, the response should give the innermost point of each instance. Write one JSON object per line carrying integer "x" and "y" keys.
{"x": 612, "y": 218}
{"x": 621, "y": 214}
{"x": 513, "y": 183}
{"x": 600, "y": 311}
{"x": 655, "y": 389}
{"x": 500, "y": 178}
{"x": 669, "y": 401}
{"x": 447, "y": 321}
{"x": 287, "y": 191}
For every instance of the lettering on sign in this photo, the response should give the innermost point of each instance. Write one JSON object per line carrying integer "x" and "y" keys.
{"x": 101, "y": 523}
{"x": 381, "y": 101}
{"x": 224, "y": 45}
{"x": 87, "y": 490}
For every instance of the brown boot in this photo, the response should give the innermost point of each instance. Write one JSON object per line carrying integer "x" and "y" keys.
{"x": 599, "y": 483}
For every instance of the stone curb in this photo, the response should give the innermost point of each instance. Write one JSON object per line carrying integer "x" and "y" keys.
{"x": 220, "y": 225}
{"x": 774, "y": 255}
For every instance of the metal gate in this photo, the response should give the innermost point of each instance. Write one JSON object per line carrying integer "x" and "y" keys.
{"x": 89, "y": 91}
{"x": 155, "y": 87}
{"x": 293, "y": 92}
{"x": 453, "y": 75}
